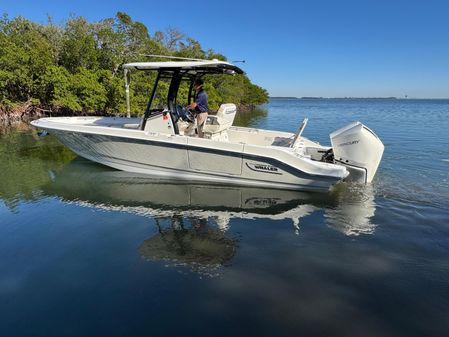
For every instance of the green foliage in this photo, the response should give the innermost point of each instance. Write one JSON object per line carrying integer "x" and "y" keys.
{"x": 25, "y": 54}
{"x": 78, "y": 46}
{"x": 77, "y": 66}
{"x": 56, "y": 88}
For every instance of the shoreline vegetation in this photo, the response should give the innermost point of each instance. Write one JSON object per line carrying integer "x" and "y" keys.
{"x": 74, "y": 68}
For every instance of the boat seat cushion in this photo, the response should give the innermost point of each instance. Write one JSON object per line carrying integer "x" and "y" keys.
{"x": 222, "y": 120}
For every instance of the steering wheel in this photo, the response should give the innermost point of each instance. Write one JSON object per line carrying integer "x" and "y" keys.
{"x": 185, "y": 114}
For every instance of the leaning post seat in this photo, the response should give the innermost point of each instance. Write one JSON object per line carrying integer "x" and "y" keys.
{"x": 222, "y": 120}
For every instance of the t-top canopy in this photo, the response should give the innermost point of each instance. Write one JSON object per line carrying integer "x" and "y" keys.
{"x": 207, "y": 66}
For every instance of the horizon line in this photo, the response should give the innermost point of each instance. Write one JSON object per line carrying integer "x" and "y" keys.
{"x": 358, "y": 97}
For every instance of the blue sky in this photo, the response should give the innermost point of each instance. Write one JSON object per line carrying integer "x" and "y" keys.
{"x": 315, "y": 48}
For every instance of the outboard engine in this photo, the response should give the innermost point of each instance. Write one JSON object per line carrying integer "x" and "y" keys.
{"x": 359, "y": 149}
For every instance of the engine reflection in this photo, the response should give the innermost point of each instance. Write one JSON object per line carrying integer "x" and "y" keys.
{"x": 354, "y": 210}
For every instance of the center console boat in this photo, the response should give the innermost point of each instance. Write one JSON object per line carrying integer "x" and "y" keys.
{"x": 163, "y": 142}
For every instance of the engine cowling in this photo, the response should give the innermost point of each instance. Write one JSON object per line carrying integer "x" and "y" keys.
{"x": 359, "y": 149}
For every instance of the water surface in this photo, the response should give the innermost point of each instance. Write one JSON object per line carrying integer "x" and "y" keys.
{"x": 87, "y": 250}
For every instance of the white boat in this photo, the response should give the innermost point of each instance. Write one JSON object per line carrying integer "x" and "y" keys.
{"x": 163, "y": 142}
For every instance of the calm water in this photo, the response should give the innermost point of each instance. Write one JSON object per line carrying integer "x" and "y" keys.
{"x": 90, "y": 251}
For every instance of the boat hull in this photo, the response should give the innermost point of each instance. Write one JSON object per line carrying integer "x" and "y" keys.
{"x": 180, "y": 158}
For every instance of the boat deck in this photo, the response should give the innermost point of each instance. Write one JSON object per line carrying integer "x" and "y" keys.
{"x": 239, "y": 135}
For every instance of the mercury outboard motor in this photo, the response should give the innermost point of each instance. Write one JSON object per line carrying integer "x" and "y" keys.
{"x": 359, "y": 149}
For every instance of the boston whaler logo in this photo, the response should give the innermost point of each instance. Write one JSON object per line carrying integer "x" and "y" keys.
{"x": 263, "y": 168}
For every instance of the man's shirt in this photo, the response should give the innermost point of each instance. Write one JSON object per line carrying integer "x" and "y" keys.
{"x": 201, "y": 102}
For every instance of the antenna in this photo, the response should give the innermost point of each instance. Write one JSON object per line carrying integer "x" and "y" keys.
{"x": 174, "y": 57}
{"x": 185, "y": 58}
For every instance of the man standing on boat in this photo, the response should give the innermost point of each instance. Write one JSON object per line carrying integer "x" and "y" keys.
{"x": 200, "y": 107}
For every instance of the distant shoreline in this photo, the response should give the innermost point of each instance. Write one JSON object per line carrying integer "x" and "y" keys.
{"x": 355, "y": 98}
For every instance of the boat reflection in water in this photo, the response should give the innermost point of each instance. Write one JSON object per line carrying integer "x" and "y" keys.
{"x": 354, "y": 211}
{"x": 193, "y": 220}
{"x": 192, "y": 242}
